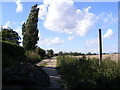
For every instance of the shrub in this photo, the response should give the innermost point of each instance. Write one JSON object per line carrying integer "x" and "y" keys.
{"x": 12, "y": 54}
{"x": 32, "y": 56}
{"x": 82, "y": 73}
{"x": 12, "y": 49}
{"x": 41, "y": 52}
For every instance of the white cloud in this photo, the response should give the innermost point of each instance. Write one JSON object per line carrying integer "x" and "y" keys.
{"x": 70, "y": 38}
{"x": 19, "y": 6}
{"x": 42, "y": 11}
{"x": 92, "y": 42}
{"x": 51, "y": 41}
{"x": 63, "y": 17}
{"x": 19, "y": 31}
{"x": 8, "y": 24}
{"x": 22, "y": 22}
{"x": 110, "y": 17}
{"x": 107, "y": 19}
{"x": 13, "y": 23}
{"x": 108, "y": 34}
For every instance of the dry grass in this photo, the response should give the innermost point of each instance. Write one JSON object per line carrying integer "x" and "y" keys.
{"x": 113, "y": 57}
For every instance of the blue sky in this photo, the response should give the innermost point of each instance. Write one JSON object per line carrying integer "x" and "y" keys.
{"x": 68, "y": 25}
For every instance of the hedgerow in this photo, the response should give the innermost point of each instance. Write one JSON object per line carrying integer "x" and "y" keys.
{"x": 12, "y": 49}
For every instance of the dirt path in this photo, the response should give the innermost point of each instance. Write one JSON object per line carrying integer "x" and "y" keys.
{"x": 50, "y": 69}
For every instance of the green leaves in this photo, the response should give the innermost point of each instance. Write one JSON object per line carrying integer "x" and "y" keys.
{"x": 10, "y": 36}
{"x": 50, "y": 53}
{"x": 30, "y": 31}
{"x": 41, "y": 52}
{"x": 82, "y": 73}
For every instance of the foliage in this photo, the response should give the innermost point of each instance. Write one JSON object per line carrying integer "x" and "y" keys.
{"x": 32, "y": 57}
{"x": 25, "y": 76}
{"x": 55, "y": 54}
{"x": 50, "y": 53}
{"x": 12, "y": 49}
{"x": 74, "y": 53}
{"x": 30, "y": 31}
{"x": 43, "y": 65}
{"x": 12, "y": 54}
{"x": 41, "y": 52}
{"x": 60, "y": 53}
{"x": 9, "y": 35}
{"x": 89, "y": 53}
{"x": 82, "y": 73}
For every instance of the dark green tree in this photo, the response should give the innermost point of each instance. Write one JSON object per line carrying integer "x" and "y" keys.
{"x": 50, "y": 53}
{"x": 30, "y": 31}
{"x": 7, "y": 34}
{"x": 41, "y": 52}
{"x": 89, "y": 53}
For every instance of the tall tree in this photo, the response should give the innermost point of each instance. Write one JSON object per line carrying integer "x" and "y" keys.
{"x": 7, "y": 34}
{"x": 29, "y": 29}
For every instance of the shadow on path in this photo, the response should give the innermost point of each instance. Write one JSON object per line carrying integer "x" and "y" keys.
{"x": 50, "y": 69}
{"x": 54, "y": 77}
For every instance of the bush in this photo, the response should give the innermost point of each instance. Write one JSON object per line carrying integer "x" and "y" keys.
{"x": 41, "y": 52}
{"x": 12, "y": 49}
{"x": 82, "y": 73}
{"x": 25, "y": 76}
{"x": 12, "y": 54}
{"x": 32, "y": 56}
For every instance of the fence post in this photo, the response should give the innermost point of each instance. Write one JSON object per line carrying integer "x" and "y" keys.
{"x": 100, "y": 48}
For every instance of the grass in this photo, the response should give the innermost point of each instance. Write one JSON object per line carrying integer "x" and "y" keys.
{"x": 32, "y": 57}
{"x": 82, "y": 73}
{"x": 43, "y": 65}
{"x": 113, "y": 57}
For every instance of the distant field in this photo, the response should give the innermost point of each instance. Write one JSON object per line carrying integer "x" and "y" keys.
{"x": 113, "y": 57}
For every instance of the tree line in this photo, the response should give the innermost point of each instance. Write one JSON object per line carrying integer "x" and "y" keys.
{"x": 74, "y": 53}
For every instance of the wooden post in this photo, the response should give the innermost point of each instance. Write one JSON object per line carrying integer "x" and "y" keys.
{"x": 100, "y": 47}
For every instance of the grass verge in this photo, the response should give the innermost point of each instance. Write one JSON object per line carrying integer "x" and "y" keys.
{"x": 82, "y": 73}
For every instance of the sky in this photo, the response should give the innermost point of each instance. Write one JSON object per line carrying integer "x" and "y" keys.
{"x": 67, "y": 25}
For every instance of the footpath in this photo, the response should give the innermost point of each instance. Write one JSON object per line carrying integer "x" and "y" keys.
{"x": 50, "y": 69}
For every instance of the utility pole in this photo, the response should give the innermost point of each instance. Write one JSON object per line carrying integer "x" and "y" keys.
{"x": 100, "y": 47}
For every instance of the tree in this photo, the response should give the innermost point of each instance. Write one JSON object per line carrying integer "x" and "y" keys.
{"x": 29, "y": 29}
{"x": 41, "y": 52}
{"x": 7, "y": 34}
{"x": 60, "y": 53}
{"x": 50, "y": 53}
{"x": 89, "y": 53}
{"x": 94, "y": 54}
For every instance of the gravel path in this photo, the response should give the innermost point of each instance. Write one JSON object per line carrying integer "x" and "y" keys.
{"x": 50, "y": 69}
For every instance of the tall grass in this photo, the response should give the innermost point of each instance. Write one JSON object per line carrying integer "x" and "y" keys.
{"x": 32, "y": 57}
{"x": 82, "y": 73}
